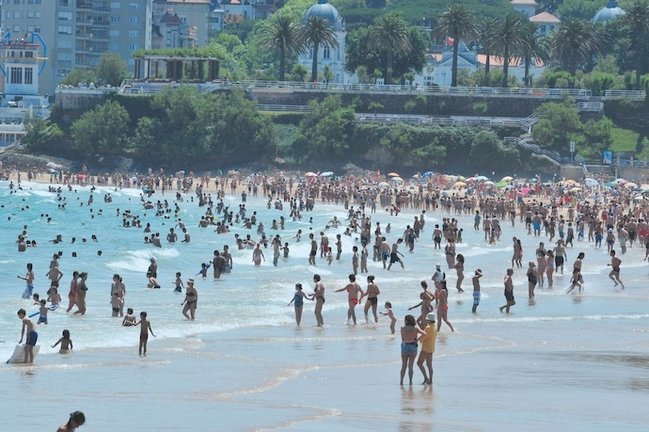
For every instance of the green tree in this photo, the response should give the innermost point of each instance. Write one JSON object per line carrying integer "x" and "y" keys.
{"x": 597, "y": 135}
{"x": 558, "y": 121}
{"x": 111, "y": 69}
{"x": 281, "y": 35}
{"x": 299, "y": 72}
{"x": 486, "y": 38}
{"x": 102, "y": 131}
{"x": 509, "y": 39}
{"x": 389, "y": 34}
{"x": 534, "y": 48}
{"x": 636, "y": 22}
{"x": 326, "y": 131}
{"x": 80, "y": 76}
{"x": 316, "y": 32}
{"x": 578, "y": 9}
{"x": 574, "y": 44}
{"x": 457, "y": 23}
{"x": 41, "y": 135}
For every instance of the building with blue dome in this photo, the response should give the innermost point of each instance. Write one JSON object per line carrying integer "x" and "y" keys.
{"x": 609, "y": 13}
{"x": 333, "y": 57}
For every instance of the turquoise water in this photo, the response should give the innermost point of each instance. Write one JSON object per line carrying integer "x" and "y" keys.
{"x": 577, "y": 362}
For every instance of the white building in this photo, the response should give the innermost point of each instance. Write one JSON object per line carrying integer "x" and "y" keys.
{"x": 333, "y": 57}
{"x": 525, "y": 7}
{"x": 545, "y": 22}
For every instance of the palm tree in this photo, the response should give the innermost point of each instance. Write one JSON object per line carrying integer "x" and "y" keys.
{"x": 509, "y": 39}
{"x": 574, "y": 44}
{"x": 389, "y": 34}
{"x": 534, "y": 48}
{"x": 457, "y": 23}
{"x": 316, "y": 32}
{"x": 280, "y": 34}
{"x": 485, "y": 37}
{"x": 636, "y": 22}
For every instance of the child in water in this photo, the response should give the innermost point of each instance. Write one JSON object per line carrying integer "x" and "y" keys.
{"x": 330, "y": 256}
{"x": 203, "y": 270}
{"x": 179, "y": 283}
{"x": 42, "y": 319}
{"x": 66, "y": 343}
{"x": 129, "y": 318}
{"x": 389, "y": 314}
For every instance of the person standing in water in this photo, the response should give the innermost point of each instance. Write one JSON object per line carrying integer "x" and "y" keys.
{"x": 145, "y": 329}
{"x": 372, "y": 294}
{"x": 476, "y": 290}
{"x": 442, "y": 306}
{"x": 409, "y": 334}
{"x": 353, "y": 291}
{"x": 614, "y": 275}
{"x": 76, "y": 419}
{"x": 509, "y": 291}
{"x": 318, "y": 296}
{"x": 191, "y": 300}
{"x": 427, "y": 349}
{"x": 298, "y": 302}
{"x": 459, "y": 268}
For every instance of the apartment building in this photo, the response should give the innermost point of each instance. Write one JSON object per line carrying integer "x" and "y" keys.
{"x": 76, "y": 33}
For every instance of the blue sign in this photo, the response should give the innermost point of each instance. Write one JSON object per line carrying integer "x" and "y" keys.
{"x": 607, "y": 157}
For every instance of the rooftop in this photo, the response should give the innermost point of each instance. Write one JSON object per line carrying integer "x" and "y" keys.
{"x": 545, "y": 17}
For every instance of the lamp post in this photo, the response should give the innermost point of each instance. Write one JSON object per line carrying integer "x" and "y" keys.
{"x": 572, "y": 152}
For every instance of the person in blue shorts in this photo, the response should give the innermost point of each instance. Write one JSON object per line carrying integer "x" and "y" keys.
{"x": 32, "y": 336}
{"x": 476, "y": 290}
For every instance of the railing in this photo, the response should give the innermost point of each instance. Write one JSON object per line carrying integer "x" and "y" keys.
{"x": 625, "y": 94}
{"x": 590, "y": 106}
{"x": 545, "y": 93}
{"x": 283, "y": 108}
{"x": 551, "y": 155}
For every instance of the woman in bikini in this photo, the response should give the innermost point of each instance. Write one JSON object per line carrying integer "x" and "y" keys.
{"x": 372, "y": 294}
{"x": 442, "y": 306}
{"x": 409, "y": 334}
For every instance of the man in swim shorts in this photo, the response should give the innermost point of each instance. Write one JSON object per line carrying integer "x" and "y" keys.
{"x": 476, "y": 289}
{"x": 32, "y": 336}
{"x": 353, "y": 289}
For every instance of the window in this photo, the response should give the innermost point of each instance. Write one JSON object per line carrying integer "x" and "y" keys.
{"x": 132, "y": 47}
{"x": 29, "y": 76}
{"x": 37, "y": 14}
{"x": 114, "y": 19}
{"x": 115, "y": 5}
{"x": 63, "y": 2}
{"x": 133, "y": 33}
{"x": 134, "y": 6}
{"x": 132, "y": 20}
{"x": 326, "y": 53}
{"x": 29, "y": 54}
{"x": 65, "y": 16}
{"x": 65, "y": 30}
{"x": 30, "y": 14}
{"x": 114, "y": 47}
{"x": 16, "y": 75}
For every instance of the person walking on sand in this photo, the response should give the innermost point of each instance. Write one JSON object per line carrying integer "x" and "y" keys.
{"x": 298, "y": 302}
{"x": 442, "y": 306}
{"x": 191, "y": 300}
{"x": 427, "y": 349}
{"x": 372, "y": 301}
{"x": 318, "y": 296}
{"x": 614, "y": 275}
{"x": 76, "y": 419}
{"x": 509, "y": 291}
{"x": 409, "y": 334}
{"x": 476, "y": 289}
{"x": 353, "y": 291}
{"x": 145, "y": 329}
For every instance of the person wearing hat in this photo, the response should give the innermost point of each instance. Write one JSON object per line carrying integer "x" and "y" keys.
{"x": 191, "y": 300}
{"x": 427, "y": 349}
{"x": 439, "y": 275}
{"x": 532, "y": 279}
{"x": 476, "y": 289}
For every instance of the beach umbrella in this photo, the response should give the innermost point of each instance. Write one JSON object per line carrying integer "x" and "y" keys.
{"x": 569, "y": 182}
{"x": 427, "y": 174}
{"x": 507, "y": 179}
{"x": 575, "y": 189}
{"x": 591, "y": 182}
{"x": 459, "y": 184}
{"x": 326, "y": 174}
{"x": 630, "y": 185}
{"x": 393, "y": 174}
{"x": 461, "y": 178}
{"x": 481, "y": 178}
{"x": 489, "y": 183}
{"x": 397, "y": 179}
{"x": 383, "y": 185}
{"x": 619, "y": 181}
{"x": 310, "y": 174}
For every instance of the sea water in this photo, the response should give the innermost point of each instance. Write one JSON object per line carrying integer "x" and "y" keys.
{"x": 565, "y": 362}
